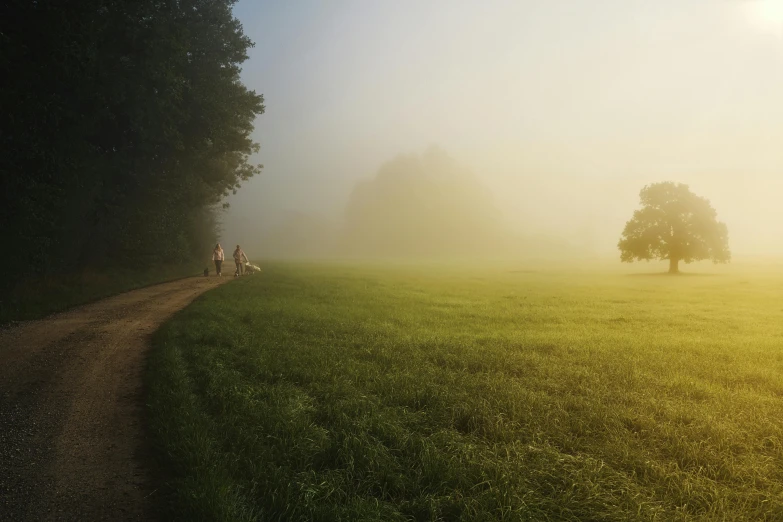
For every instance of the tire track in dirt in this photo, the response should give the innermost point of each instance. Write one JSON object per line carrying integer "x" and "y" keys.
{"x": 72, "y": 440}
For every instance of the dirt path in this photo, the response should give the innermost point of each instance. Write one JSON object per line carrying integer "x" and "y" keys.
{"x": 72, "y": 440}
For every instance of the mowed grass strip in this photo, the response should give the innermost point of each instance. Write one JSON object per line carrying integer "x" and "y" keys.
{"x": 369, "y": 393}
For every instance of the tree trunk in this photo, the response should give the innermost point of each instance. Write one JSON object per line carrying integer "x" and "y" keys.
{"x": 674, "y": 266}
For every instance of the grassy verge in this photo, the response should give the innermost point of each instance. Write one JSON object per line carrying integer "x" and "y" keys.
{"x": 336, "y": 393}
{"x": 36, "y": 299}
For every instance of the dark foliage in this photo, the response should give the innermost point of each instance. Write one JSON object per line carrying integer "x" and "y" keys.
{"x": 122, "y": 127}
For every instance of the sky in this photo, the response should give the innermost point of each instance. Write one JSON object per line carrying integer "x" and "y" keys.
{"x": 565, "y": 109}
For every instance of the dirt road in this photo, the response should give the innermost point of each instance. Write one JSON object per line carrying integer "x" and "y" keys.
{"x": 72, "y": 439}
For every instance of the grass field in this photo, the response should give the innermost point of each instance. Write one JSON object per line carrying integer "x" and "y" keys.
{"x": 326, "y": 392}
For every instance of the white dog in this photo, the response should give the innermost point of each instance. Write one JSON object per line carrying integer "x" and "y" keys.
{"x": 251, "y": 269}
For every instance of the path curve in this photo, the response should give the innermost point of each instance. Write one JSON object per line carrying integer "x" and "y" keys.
{"x": 72, "y": 439}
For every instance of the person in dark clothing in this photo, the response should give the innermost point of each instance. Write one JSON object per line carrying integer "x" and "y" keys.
{"x": 240, "y": 259}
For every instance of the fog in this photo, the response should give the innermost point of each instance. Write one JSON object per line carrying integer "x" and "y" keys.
{"x": 541, "y": 122}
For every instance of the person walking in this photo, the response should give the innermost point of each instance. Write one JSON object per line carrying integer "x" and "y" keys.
{"x": 239, "y": 255}
{"x": 217, "y": 257}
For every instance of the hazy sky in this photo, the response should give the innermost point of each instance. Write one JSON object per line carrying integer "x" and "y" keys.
{"x": 564, "y": 108}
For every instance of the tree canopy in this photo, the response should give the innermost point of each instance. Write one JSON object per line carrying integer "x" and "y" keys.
{"x": 123, "y": 125}
{"x": 423, "y": 206}
{"x": 674, "y": 224}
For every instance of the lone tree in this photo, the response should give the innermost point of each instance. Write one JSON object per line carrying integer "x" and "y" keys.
{"x": 674, "y": 224}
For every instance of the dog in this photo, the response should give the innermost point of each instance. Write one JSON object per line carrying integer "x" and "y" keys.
{"x": 251, "y": 269}
{"x": 206, "y": 272}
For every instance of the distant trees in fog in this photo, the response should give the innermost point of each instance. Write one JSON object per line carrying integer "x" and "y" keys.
{"x": 422, "y": 205}
{"x": 416, "y": 206}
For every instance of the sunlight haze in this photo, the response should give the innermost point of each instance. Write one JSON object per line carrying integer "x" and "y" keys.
{"x": 563, "y": 110}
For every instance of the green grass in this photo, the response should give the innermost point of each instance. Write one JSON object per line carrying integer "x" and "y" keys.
{"x": 402, "y": 393}
{"x": 33, "y": 299}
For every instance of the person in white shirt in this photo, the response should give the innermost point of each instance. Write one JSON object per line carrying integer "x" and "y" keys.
{"x": 217, "y": 257}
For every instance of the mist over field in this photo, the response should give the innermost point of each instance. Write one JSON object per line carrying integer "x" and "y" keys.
{"x": 555, "y": 115}
{"x": 437, "y": 311}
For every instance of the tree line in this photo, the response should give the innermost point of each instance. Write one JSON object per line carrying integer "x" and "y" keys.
{"x": 428, "y": 206}
{"x": 123, "y": 126}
